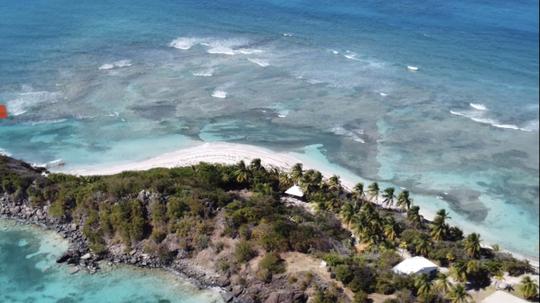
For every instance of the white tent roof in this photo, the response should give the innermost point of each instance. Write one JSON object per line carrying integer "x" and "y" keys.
{"x": 414, "y": 265}
{"x": 295, "y": 191}
{"x": 502, "y": 297}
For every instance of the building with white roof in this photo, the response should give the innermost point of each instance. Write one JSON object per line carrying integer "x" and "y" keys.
{"x": 502, "y": 297}
{"x": 295, "y": 191}
{"x": 415, "y": 265}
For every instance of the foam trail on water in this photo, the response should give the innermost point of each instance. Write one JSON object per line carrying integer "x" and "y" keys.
{"x": 184, "y": 43}
{"x": 478, "y": 106}
{"x": 259, "y": 62}
{"x": 116, "y": 64}
{"x": 477, "y": 116}
{"x": 204, "y": 73}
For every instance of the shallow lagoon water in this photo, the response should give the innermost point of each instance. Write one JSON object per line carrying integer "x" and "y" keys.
{"x": 124, "y": 81}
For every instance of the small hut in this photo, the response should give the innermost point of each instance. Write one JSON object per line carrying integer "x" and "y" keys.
{"x": 415, "y": 265}
{"x": 295, "y": 192}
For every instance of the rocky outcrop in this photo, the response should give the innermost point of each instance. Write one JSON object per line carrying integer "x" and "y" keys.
{"x": 80, "y": 256}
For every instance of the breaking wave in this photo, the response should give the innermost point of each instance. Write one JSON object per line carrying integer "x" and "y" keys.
{"x": 479, "y": 117}
{"x": 116, "y": 64}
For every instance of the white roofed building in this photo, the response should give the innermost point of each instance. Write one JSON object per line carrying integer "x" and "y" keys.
{"x": 503, "y": 297}
{"x": 295, "y": 191}
{"x": 415, "y": 265}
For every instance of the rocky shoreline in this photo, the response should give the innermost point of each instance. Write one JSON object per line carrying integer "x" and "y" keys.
{"x": 80, "y": 256}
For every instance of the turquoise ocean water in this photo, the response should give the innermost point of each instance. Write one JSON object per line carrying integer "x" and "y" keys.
{"x": 29, "y": 273}
{"x": 117, "y": 81}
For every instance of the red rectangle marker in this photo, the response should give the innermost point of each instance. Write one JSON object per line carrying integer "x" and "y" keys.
{"x": 3, "y": 111}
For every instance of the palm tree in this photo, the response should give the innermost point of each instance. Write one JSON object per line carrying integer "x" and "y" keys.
{"x": 335, "y": 184}
{"x": 296, "y": 172}
{"x": 390, "y": 229}
{"x": 459, "y": 271}
{"x": 439, "y": 229}
{"x": 311, "y": 180}
{"x": 528, "y": 288}
{"x": 442, "y": 284}
{"x": 423, "y": 285}
{"x": 388, "y": 196}
{"x": 358, "y": 192}
{"x": 347, "y": 213}
{"x": 241, "y": 173}
{"x": 443, "y": 214}
{"x": 459, "y": 294}
{"x": 413, "y": 215}
{"x": 403, "y": 200}
{"x": 422, "y": 245}
{"x": 255, "y": 165}
{"x": 284, "y": 180}
{"x": 373, "y": 190}
{"x": 472, "y": 245}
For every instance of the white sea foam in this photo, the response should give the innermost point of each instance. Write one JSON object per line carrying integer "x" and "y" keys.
{"x": 116, "y": 64}
{"x": 287, "y": 34}
{"x": 27, "y": 100}
{"x": 4, "y": 152}
{"x": 350, "y": 55}
{"x": 478, "y": 106}
{"x": 53, "y": 121}
{"x": 204, "y": 73}
{"x": 335, "y": 52}
{"x": 283, "y": 113}
{"x": 383, "y": 94}
{"x": 249, "y": 51}
{"x": 230, "y": 46}
{"x": 221, "y": 94}
{"x": 106, "y": 66}
{"x": 354, "y": 134}
{"x": 478, "y": 116}
{"x": 259, "y": 62}
{"x": 184, "y": 43}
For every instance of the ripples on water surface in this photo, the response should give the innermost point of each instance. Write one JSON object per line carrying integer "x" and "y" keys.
{"x": 108, "y": 83}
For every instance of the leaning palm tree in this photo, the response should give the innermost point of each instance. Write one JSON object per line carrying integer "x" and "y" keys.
{"x": 373, "y": 190}
{"x": 528, "y": 288}
{"x": 422, "y": 285}
{"x": 438, "y": 229}
{"x": 472, "y": 245}
{"x": 388, "y": 196}
{"x": 297, "y": 172}
{"x": 403, "y": 200}
{"x": 442, "y": 284}
{"x": 241, "y": 173}
{"x": 347, "y": 213}
{"x": 458, "y": 294}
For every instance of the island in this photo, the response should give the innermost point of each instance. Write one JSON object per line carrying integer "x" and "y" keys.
{"x": 262, "y": 234}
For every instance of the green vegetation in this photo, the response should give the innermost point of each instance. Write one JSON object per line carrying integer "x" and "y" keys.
{"x": 181, "y": 207}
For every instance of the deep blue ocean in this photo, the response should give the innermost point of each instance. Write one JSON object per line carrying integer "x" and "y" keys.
{"x": 439, "y": 97}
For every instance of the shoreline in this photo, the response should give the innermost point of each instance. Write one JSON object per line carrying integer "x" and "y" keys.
{"x": 75, "y": 255}
{"x": 232, "y": 153}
